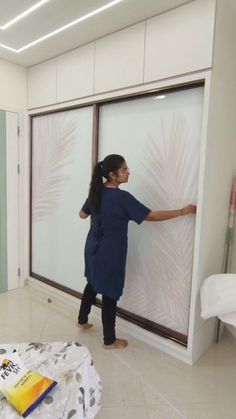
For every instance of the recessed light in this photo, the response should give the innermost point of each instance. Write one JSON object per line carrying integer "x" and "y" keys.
{"x": 22, "y": 15}
{"x": 159, "y": 97}
{"x": 62, "y": 28}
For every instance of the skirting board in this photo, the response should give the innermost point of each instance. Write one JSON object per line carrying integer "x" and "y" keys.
{"x": 167, "y": 346}
{"x": 231, "y": 330}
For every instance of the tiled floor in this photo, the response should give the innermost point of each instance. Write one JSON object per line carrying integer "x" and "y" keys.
{"x": 139, "y": 382}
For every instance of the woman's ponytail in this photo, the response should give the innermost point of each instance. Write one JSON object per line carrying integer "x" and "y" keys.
{"x": 95, "y": 190}
{"x": 111, "y": 163}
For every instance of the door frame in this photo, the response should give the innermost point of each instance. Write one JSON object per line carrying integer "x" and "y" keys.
{"x": 12, "y": 199}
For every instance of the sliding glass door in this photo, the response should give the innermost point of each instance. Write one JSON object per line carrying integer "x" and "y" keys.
{"x": 61, "y": 167}
{"x": 159, "y": 136}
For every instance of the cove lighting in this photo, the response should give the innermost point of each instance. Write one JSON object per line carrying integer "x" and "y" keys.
{"x": 62, "y": 28}
{"x": 8, "y": 48}
{"x": 22, "y": 15}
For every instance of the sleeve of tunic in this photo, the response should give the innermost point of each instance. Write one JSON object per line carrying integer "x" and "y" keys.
{"x": 135, "y": 210}
{"x": 86, "y": 207}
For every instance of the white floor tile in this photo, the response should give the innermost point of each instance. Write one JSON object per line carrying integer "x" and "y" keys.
{"x": 208, "y": 411}
{"x": 139, "y": 382}
{"x": 133, "y": 412}
{"x": 165, "y": 411}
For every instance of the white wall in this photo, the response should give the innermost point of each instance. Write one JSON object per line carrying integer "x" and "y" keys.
{"x": 220, "y": 161}
{"x": 13, "y": 83}
{"x": 233, "y": 248}
{"x": 175, "y": 43}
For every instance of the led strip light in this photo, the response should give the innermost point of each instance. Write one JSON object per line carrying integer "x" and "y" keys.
{"x": 22, "y": 15}
{"x": 61, "y": 29}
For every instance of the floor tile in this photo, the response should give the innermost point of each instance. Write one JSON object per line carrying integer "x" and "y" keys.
{"x": 131, "y": 412}
{"x": 139, "y": 382}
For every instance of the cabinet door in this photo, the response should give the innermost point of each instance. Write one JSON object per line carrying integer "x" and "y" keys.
{"x": 160, "y": 140}
{"x": 9, "y": 201}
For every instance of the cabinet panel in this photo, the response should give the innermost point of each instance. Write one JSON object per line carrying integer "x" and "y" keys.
{"x": 180, "y": 41}
{"x": 119, "y": 59}
{"x": 75, "y": 73}
{"x": 42, "y": 84}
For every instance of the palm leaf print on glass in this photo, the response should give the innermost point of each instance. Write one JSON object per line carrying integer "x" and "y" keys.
{"x": 53, "y": 142}
{"x": 168, "y": 175}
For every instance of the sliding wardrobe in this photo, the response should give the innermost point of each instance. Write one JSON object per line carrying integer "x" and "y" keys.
{"x": 160, "y": 137}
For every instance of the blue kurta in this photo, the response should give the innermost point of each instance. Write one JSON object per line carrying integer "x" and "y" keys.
{"x": 106, "y": 244}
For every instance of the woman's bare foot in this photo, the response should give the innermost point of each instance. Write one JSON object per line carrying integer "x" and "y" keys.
{"x": 84, "y": 326}
{"x": 118, "y": 344}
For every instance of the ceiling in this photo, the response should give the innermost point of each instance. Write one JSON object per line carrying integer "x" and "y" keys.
{"x": 55, "y": 14}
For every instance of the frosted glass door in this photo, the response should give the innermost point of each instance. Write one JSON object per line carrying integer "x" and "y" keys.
{"x": 160, "y": 140}
{"x": 61, "y": 166}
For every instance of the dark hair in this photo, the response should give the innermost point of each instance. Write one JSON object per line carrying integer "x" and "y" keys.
{"x": 111, "y": 163}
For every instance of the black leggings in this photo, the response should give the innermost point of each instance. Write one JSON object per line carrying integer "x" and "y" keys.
{"x": 108, "y": 313}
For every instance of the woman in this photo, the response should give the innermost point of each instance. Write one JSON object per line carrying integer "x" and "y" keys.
{"x": 106, "y": 246}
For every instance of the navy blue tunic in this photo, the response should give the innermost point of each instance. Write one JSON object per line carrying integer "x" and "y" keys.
{"x": 106, "y": 244}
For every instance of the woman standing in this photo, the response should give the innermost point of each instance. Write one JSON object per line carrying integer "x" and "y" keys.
{"x": 106, "y": 246}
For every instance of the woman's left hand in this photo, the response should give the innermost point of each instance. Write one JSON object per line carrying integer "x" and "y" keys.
{"x": 189, "y": 209}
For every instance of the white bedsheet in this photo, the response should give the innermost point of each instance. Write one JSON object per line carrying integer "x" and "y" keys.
{"x": 218, "y": 298}
{"x": 78, "y": 391}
